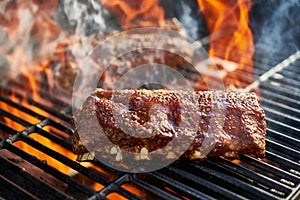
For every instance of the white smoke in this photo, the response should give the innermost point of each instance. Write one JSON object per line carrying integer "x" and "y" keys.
{"x": 188, "y": 21}
{"x": 30, "y": 34}
{"x": 280, "y": 32}
{"x": 85, "y": 17}
{"x": 20, "y": 30}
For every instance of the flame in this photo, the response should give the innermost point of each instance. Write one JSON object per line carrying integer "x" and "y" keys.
{"x": 34, "y": 94}
{"x": 30, "y": 31}
{"x": 41, "y": 139}
{"x": 231, "y": 37}
{"x": 226, "y": 20}
{"x": 141, "y": 12}
{"x": 26, "y": 23}
{"x": 8, "y": 108}
{"x": 42, "y": 156}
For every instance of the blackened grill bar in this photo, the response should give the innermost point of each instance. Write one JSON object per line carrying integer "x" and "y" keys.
{"x": 275, "y": 177}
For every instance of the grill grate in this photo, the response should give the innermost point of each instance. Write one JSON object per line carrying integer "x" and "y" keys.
{"x": 275, "y": 177}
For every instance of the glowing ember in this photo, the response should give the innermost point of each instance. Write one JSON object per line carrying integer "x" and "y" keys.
{"x": 236, "y": 161}
{"x": 34, "y": 95}
{"x": 42, "y": 156}
{"x": 46, "y": 142}
{"x": 176, "y": 193}
{"x": 132, "y": 188}
{"x": 9, "y": 122}
{"x": 231, "y": 37}
{"x": 115, "y": 195}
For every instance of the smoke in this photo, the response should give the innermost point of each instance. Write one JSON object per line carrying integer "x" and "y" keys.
{"x": 27, "y": 34}
{"x": 85, "y": 18}
{"x": 276, "y": 26}
{"x": 188, "y": 13}
{"x": 188, "y": 21}
{"x": 30, "y": 30}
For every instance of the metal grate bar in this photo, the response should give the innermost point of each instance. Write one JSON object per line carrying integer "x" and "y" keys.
{"x": 51, "y": 170}
{"x": 7, "y": 129}
{"x": 56, "y": 125}
{"x": 127, "y": 194}
{"x": 280, "y": 66}
{"x": 258, "y": 179}
{"x": 281, "y": 107}
{"x": 154, "y": 189}
{"x": 63, "y": 159}
{"x": 263, "y": 60}
{"x": 156, "y": 186}
{"x": 278, "y": 116}
{"x": 288, "y": 130}
{"x": 232, "y": 183}
{"x": 294, "y": 67}
{"x": 101, "y": 165}
{"x": 97, "y": 197}
{"x": 22, "y": 108}
{"x": 28, "y": 182}
{"x": 283, "y": 162}
{"x": 203, "y": 184}
{"x": 14, "y": 118}
{"x": 289, "y": 73}
{"x": 51, "y": 137}
{"x": 283, "y": 150}
{"x": 290, "y": 92}
{"x": 271, "y": 169}
{"x": 17, "y": 87}
{"x": 115, "y": 187}
{"x": 51, "y": 111}
{"x": 274, "y": 124}
{"x": 286, "y": 82}
{"x": 277, "y": 97}
{"x": 283, "y": 138}
{"x": 9, "y": 190}
{"x": 281, "y": 90}
{"x": 178, "y": 186}
{"x": 295, "y": 195}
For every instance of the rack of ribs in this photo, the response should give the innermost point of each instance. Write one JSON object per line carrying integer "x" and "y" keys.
{"x": 217, "y": 123}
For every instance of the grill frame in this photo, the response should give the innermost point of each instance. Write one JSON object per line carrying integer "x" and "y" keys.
{"x": 210, "y": 179}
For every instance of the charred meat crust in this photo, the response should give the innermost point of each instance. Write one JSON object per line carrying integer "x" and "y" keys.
{"x": 242, "y": 131}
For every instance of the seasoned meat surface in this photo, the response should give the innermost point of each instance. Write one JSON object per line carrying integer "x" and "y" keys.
{"x": 213, "y": 123}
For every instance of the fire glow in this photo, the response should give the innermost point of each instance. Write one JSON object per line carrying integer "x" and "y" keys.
{"x": 231, "y": 37}
{"x": 231, "y": 40}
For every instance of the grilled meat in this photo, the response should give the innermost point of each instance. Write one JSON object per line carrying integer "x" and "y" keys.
{"x": 143, "y": 121}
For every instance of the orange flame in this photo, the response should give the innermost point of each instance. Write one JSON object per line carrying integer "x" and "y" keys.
{"x": 32, "y": 87}
{"x": 231, "y": 37}
{"x": 25, "y": 23}
{"x": 141, "y": 12}
{"x": 226, "y": 20}
{"x": 34, "y": 94}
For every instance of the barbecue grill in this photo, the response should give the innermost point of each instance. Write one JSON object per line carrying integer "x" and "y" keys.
{"x": 277, "y": 176}
{"x": 24, "y": 175}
